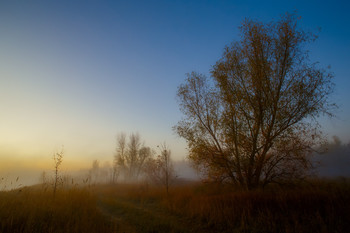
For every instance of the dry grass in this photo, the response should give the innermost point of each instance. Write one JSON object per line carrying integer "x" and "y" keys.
{"x": 257, "y": 211}
{"x": 35, "y": 209}
{"x": 319, "y": 206}
{"x": 316, "y": 207}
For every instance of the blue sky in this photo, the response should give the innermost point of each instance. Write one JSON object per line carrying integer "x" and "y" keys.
{"x": 76, "y": 73}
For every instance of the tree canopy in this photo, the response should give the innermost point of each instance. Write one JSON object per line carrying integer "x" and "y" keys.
{"x": 254, "y": 121}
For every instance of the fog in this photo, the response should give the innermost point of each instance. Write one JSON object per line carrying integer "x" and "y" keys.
{"x": 20, "y": 177}
{"x": 335, "y": 160}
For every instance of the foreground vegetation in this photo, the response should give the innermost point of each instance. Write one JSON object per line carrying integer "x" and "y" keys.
{"x": 318, "y": 206}
{"x": 35, "y": 210}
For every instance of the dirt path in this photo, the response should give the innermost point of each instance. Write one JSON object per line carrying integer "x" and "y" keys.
{"x": 120, "y": 225}
{"x": 129, "y": 216}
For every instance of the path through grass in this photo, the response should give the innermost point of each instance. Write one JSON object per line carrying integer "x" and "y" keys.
{"x": 133, "y": 216}
{"x": 148, "y": 215}
{"x": 136, "y": 208}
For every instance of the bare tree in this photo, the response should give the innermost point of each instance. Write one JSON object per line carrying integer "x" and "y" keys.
{"x": 95, "y": 170}
{"x": 144, "y": 154}
{"x": 131, "y": 156}
{"x": 119, "y": 157}
{"x": 134, "y": 146}
{"x": 255, "y": 121}
{"x": 57, "y": 158}
{"x": 161, "y": 170}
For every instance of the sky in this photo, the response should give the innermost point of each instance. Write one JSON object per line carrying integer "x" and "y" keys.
{"x": 77, "y": 73}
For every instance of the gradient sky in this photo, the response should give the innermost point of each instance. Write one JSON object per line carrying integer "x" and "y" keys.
{"x": 76, "y": 73}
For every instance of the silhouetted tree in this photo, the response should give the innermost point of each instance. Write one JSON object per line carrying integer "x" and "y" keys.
{"x": 95, "y": 170}
{"x": 161, "y": 170}
{"x": 57, "y": 158}
{"x": 119, "y": 157}
{"x": 130, "y": 157}
{"x": 254, "y": 122}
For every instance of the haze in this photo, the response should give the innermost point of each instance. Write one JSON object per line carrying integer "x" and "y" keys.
{"x": 77, "y": 74}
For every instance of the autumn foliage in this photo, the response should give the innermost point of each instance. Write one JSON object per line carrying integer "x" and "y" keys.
{"x": 254, "y": 121}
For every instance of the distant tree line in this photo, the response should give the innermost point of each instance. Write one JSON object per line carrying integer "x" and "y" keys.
{"x": 134, "y": 161}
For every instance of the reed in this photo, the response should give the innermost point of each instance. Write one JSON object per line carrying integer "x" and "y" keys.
{"x": 33, "y": 209}
{"x": 318, "y": 206}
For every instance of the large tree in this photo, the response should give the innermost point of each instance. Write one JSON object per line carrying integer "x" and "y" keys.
{"x": 255, "y": 120}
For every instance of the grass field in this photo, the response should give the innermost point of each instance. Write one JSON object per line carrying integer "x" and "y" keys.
{"x": 320, "y": 206}
{"x": 34, "y": 209}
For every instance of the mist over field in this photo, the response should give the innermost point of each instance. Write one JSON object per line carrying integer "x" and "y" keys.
{"x": 174, "y": 116}
{"x": 334, "y": 162}
{"x": 19, "y": 177}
